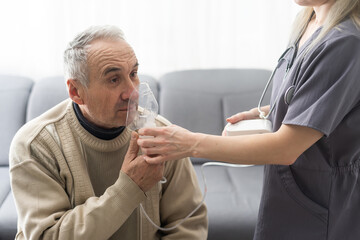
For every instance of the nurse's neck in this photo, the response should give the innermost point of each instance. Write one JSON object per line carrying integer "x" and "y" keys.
{"x": 321, "y": 12}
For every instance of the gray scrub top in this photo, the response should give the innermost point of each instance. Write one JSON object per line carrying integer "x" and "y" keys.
{"x": 318, "y": 197}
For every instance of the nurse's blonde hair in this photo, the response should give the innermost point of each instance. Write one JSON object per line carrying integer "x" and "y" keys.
{"x": 341, "y": 10}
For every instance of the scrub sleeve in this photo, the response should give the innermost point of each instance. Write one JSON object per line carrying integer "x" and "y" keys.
{"x": 318, "y": 197}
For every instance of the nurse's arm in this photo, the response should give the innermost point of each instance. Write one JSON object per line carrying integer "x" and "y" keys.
{"x": 281, "y": 147}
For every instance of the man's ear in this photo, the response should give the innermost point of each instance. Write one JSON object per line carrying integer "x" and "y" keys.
{"x": 76, "y": 91}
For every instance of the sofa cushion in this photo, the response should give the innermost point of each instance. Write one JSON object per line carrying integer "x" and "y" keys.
{"x": 4, "y": 183}
{"x": 199, "y": 94}
{"x": 14, "y": 93}
{"x": 235, "y": 103}
{"x": 8, "y": 218}
{"x": 232, "y": 200}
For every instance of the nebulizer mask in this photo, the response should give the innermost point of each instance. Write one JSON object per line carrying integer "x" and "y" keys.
{"x": 142, "y": 108}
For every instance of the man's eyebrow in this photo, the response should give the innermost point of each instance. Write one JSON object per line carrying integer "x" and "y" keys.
{"x": 111, "y": 69}
{"x": 116, "y": 69}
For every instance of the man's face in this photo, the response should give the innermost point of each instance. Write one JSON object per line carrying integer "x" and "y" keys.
{"x": 112, "y": 67}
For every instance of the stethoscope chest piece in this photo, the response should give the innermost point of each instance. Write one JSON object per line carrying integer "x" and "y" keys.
{"x": 289, "y": 94}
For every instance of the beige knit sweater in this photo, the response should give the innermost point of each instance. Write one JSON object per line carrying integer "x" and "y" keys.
{"x": 67, "y": 184}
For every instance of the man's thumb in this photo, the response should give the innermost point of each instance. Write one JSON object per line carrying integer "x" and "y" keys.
{"x": 133, "y": 147}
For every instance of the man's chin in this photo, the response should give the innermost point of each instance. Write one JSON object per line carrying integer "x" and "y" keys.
{"x": 117, "y": 125}
{"x": 120, "y": 119}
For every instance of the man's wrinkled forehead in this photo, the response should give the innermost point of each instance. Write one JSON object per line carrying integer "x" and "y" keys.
{"x": 103, "y": 51}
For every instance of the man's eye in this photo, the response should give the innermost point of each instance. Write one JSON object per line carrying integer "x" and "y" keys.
{"x": 133, "y": 74}
{"x": 114, "y": 80}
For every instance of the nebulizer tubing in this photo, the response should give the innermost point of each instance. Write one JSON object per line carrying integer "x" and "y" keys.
{"x": 203, "y": 199}
{"x": 142, "y": 109}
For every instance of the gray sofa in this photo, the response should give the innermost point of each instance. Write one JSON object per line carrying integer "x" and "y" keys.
{"x": 198, "y": 100}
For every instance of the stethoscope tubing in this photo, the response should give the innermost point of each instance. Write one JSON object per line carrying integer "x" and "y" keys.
{"x": 291, "y": 90}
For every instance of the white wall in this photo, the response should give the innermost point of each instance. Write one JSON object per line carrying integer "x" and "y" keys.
{"x": 166, "y": 35}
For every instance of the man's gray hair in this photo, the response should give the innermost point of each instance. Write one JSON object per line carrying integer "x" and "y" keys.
{"x": 75, "y": 55}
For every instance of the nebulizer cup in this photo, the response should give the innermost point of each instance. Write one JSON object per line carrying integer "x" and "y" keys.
{"x": 142, "y": 108}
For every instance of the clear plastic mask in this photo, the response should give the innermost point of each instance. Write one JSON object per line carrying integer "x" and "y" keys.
{"x": 142, "y": 108}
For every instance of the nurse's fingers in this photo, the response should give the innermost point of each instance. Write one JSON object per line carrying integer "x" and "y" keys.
{"x": 247, "y": 115}
{"x": 150, "y": 131}
{"x": 237, "y": 117}
{"x": 150, "y": 142}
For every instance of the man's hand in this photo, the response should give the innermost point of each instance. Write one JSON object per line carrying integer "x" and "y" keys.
{"x": 143, "y": 174}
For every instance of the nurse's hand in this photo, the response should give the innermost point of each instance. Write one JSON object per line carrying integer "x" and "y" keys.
{"x": 247, "y": 115}
{"x": 168, "y": 143}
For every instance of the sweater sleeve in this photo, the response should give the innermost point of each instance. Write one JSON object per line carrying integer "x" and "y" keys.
{"x": 181, "y": 195}
{"x": 45, "y": 212}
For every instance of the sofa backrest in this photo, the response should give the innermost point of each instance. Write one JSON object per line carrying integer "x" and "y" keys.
{"x": 187, "y": 98}
{"x": 14, "y": 94}
{"x": 45, "y": 94}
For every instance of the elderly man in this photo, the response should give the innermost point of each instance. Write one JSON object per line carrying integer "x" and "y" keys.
{"x": 76, "y": 171}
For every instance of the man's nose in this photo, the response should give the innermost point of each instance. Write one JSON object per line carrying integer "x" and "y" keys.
{"x": 129, "y": 90}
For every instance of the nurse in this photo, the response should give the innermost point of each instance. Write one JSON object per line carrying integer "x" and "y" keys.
{"x": 312, "y": 157}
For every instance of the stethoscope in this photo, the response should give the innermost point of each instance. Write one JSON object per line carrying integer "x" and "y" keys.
{"x": 289, "y": 93}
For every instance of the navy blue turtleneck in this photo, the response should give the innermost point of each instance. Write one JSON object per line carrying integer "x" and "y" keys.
{"x": 102, "y": 133}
